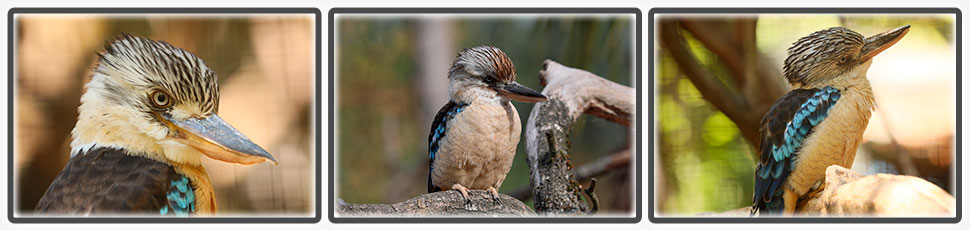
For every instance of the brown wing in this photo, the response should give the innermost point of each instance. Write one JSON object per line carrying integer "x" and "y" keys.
{"x": 106, "y": 180}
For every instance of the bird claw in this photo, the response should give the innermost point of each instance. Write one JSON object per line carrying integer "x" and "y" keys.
{"x": 464, "y": 192}
{"x": 494, "y": 192}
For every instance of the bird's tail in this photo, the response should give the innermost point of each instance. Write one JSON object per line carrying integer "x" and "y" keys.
{"x": 772, "y": 206}
{"x": 431, "y": 187}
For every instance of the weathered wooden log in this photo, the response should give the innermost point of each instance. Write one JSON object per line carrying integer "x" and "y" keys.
{"x": 446, "y": 203}
{"x": 847, "y": 193}
{"x": 571, "y": 93}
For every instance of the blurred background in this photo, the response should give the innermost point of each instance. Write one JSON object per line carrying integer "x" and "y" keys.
{"x": 265, "y": 67}
{"x": 717, "y": 75}
{"x": 392, "y": 80}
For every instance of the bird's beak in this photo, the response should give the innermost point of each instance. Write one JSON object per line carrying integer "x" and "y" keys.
{"x": 879, "y": 42}
{"x": 518, "y": 92}
{"x": 218, "y": 140}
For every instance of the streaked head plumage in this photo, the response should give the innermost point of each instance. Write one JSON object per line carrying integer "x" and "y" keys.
{"x": 828, "y": 56}
{"x": 155, "y": 71}
{"x": 485, "y": 62}
{"x": 486, "y": 72}
{"x": 824, "y": 53}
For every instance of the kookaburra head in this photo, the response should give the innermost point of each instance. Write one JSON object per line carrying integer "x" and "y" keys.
{"x": 153, "y": 99}
{"x": 828, "y": 57}
{"x": 485, "y": 71}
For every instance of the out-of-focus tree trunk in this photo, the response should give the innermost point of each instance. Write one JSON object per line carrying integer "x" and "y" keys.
{"x": 746, "y": 91}
{"x": 434, "y": 54}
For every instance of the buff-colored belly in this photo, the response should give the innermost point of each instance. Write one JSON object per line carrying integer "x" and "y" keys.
{"x": 833, "y": 142}
{"x": 479, "y": 147}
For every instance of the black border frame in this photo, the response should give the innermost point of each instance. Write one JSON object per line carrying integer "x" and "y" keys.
{"x": 636, "y": 80}
{"x": 958, "y": 171}
{"x": 10, "y": 116}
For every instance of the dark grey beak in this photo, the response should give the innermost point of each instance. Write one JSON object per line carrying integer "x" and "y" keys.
{"x": 515, "y": 91}
{"x": 879, "y": 42}
{"x": 218, "y": 140}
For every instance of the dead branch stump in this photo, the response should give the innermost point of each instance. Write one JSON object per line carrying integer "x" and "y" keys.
{"x": 571, "y": 93}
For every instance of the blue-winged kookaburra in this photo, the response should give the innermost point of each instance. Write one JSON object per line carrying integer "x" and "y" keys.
{"x": 473, "y": 137}
{"x": 821, "y": 121}
{"x": 148, "y": 115}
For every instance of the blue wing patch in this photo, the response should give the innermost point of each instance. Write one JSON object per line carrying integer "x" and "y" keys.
{"x": 180, "y": 197}
{"x": 438, "y": 128}
{"x": 439, "y": 131}
{"x": 789, "y": 121}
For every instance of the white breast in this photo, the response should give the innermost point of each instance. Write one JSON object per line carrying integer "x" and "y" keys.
{"x": 479, "y": 146}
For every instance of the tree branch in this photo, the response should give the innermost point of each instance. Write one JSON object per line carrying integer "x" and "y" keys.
{"x": 571, "y": 93}
{"x": 847, "y": 193}
{"x": 711, "y": 33}
{"x": 446, "y": 203}
{"x": 584, "y": 92}
{"x": 587, "y": 171}
{"x": 734, "y": 106}
{"x": 604, "y": 164}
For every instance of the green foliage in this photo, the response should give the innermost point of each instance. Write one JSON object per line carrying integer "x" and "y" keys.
{"x": 702, "y": 149}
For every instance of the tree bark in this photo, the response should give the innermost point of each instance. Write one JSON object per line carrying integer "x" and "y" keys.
{"x": 847, "y": 193}
{"x": 446, "y": 203}
{"x": 614, "y": 161}
{"x": 571, "y": 92}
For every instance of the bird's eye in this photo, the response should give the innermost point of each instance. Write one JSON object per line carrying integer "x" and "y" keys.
{"x": 489, "y": 80}
{"x": 161, "y": 99}
{"x": 843, "y": 59}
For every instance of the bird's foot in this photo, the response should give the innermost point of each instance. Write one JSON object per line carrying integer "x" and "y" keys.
{"x": 817, "y": 190}
{"x": 494, "y": 192}
{"x": 463, "y": 190}
{"x": 791, "y": 201}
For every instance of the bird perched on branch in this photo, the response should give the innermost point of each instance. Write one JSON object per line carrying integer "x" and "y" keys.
{"x": 821, "y": 121}
{"x": 473, "y": 137}
{"x": 148, "y": 115}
